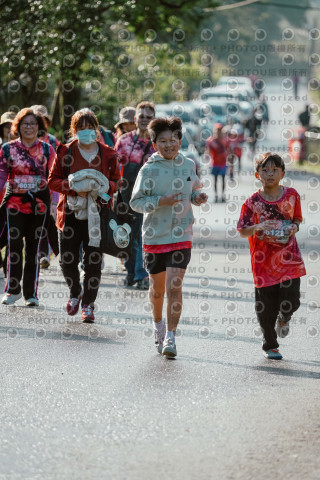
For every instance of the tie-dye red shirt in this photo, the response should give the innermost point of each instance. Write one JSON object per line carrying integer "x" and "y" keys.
{"x": 131, "y": 149}
{"x": 274, "y": 257}
{"x": 27, "y": 172}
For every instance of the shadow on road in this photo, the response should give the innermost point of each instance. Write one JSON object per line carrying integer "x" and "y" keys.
{"x": 43, "y": 334}
{"x": 268, "y": 369}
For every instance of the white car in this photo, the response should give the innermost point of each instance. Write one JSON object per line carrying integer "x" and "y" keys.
{"x": 238, "y": 97}
{"x": 234, "y": 82}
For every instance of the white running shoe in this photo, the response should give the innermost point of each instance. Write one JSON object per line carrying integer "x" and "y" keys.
{"x": 10, "y": 298}
{"x": 169, "y": 348}
{"x": 282, "y": 329}
{"x": 32, "y": 302}
{"x": 159, "y": 337}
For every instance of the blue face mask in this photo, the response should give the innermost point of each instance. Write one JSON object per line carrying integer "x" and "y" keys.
{"x": 87, "y": 136}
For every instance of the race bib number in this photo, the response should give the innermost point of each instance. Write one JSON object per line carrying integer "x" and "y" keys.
{"x": 26, "y": 183}
{"x": 278, "y": 234}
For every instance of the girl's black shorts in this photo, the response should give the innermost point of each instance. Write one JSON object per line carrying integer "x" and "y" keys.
{"x": 159, "y": 262}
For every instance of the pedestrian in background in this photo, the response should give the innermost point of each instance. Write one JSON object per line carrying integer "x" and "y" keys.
{"x": 54, "y": 142}
{"x": 218, "y": 149}
{"x": 25, "y": 162}
{"x": 6, "y": 136}
{"x": 126, "y": 121}
{"x": 304, "y": 117}
{"x": 166, "y": 187}
{"x": 134, "y": 149}
{"x": 270, "y": 218}
{"x": 5, "y": 127}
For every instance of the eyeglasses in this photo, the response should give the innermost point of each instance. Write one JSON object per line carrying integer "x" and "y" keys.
{"x": 28, "y": 125}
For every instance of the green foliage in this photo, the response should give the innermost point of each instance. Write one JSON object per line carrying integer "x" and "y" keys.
{"x": 75, "y": 47}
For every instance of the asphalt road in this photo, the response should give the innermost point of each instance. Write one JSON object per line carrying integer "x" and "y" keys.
{"x": 97, "y": 402}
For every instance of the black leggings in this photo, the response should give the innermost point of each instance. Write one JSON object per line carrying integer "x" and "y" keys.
{"x": 74, "y": 232}
{"x": 278, "y": 301}
{"x": 31, "y": 227}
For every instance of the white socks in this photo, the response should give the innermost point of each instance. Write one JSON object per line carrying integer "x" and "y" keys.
{"x": 170, "y": 335}
{"x": 159, "y": 326}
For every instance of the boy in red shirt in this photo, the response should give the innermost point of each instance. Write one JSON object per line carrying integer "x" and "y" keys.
{"x": 270, "y": 218}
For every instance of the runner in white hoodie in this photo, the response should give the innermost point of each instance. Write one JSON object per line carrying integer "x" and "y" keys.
{"x": 165, "y": 188}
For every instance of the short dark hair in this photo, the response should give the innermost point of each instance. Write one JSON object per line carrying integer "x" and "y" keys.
{"x": 159, "y": 125}
{"x": 84, "y": 115}
{"x": 272, "y": 158}
{"x": 146, "y": 105}
{"x": 15, "y": 128}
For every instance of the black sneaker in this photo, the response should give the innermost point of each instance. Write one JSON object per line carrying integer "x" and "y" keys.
{"x": 129, "y": 281}
{"x": 143, "y": 284}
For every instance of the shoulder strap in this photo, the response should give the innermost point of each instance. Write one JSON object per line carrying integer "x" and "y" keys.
{"x": 146, "y": 150}
{"x": 135, "y": 139}
{"x": 46, "y": 151}
{"x": 6, "y": 150}
{"x": 107, "y": 136}
{"x": 52, "y": 140}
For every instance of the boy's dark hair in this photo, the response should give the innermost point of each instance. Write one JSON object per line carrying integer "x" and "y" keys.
{"x": 159, "y": 125}
{"x": 272, "y": 158}
{"x": 149, "y": 105}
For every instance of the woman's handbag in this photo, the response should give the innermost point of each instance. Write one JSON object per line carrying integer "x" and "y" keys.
{"x": 116, "y": 229}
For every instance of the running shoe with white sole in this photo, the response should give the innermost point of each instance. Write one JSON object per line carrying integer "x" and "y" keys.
{"x": 74, "y": 304}
{"x": 10, "y": 298}
{"x": 87, "y": 315}
{"x": 282, "y": 329}
{"x": 169, "y": 348}
{"x": 273, "y": 354}
{"x": 32, "y": 302}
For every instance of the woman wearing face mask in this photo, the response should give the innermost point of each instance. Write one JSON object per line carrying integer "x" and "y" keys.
{"x": 83, "y": 153}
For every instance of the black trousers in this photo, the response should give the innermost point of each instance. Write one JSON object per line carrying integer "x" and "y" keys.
{"x": 278, "y": 301}
{"x": 74, "y": 232}
{"x": 31, "y": 227}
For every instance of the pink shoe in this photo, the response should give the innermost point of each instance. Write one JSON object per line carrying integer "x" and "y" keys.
{"x": 87, "y": 314}
{"x": 74, "y": 304}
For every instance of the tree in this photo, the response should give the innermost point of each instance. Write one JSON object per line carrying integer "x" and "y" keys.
{"x": 52, "y": 49}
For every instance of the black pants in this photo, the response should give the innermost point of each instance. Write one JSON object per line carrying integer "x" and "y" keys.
{"x": 44, "y": 248}
{"x": 278, "y": 301}
{"x": 74, "y": 232}
{"x": 31, "y": 227}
